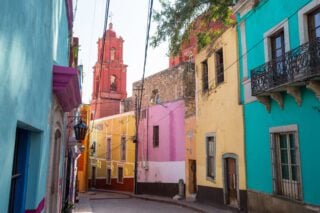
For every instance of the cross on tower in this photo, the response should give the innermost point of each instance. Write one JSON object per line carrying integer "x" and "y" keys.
{"x": 110, "y": 16}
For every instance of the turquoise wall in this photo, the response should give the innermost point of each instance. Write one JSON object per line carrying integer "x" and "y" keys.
{"x": 258, "y": 121}
{"x": 33, "y": 36}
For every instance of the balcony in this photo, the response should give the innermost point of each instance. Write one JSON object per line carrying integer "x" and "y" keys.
{"x": 298, "y": 67}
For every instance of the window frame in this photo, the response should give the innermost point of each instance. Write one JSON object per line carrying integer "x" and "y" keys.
{"x": 303, "y": 20}
{"x": 109, "y": 149}
{"x": 310, "y": 21}
{"x": 205, "y": 76}
{"x": 208, "y": 176}
{"x": 118, "y": 181}
{"x": 156, "y": 137}
{"x": 108, "y": 178}
{"x": 123, "y": 153}
{"x": 294, "y": 190}
{"x": 219, "y": 66}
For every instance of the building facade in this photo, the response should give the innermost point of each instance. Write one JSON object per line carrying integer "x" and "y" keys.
{"x": 109, "y": 76}
{"x": 34, "y": 58}
{"x": 168, "y": 99}
{"x": 83, "y": 161}
{"x": 279, "y": 61}
{"x": 220, "y": 165}
{"x": 112, "y": 153}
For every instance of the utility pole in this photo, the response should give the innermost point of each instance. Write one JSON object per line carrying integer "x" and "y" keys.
{"x": 137, "y": 107}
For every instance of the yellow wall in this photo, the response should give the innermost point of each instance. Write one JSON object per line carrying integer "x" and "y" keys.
{"x": 114, "y": 127}
{"x": 83, "y": 160}
{"x": 219, "y": 111}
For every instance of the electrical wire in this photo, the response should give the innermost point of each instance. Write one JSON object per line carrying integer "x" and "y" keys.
{"x": 101, "y": 56}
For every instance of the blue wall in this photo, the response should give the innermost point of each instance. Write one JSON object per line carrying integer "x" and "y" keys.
{"x": 33, "y": 36}
{"x": 258, "y": 121}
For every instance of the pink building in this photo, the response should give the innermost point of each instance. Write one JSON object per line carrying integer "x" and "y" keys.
{"x": 161, "y": 148}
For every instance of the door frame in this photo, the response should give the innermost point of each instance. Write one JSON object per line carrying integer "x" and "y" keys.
{"x": 224, "y": 173}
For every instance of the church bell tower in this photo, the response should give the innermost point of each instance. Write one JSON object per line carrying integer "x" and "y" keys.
{"x": 109, "y": 76}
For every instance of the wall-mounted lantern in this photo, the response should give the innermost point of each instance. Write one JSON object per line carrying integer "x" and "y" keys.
{"x": 80, "y": 130}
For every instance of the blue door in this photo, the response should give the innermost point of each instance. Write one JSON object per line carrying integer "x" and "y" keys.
{"x": 19, "y": 172}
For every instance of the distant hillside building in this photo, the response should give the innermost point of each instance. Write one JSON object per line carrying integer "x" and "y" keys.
{"x": 109, "y": 77}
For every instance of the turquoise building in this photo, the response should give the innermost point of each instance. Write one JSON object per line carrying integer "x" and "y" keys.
{"x": 279, "y": 49}
{"x": 34, "y": 95}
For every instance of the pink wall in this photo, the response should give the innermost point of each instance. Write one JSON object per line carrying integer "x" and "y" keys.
{"x": 170, "y": 119}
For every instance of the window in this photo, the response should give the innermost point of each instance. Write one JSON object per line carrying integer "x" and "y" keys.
{"x": 155, "y": 136}
{"x": 112, "y": 54}
{"x": 219, "y": 67}
{"x": 144, "y": 114}
{"x": 120, "y": 175}
{"x": 93, "y": 148}
{"x": 278, "y": 54}
{"x": 108, "y": 154}
{"x": 123, "y": 149}
{"x": 155, "y": 98}
{"x": 286, "y": 168}
{"x": 108, "y": 178}
{"x": 113, "y": 83}
{"x": 314, "y": 25}
{"x": 205, "y": 79}
{"x": 210, "y": 142}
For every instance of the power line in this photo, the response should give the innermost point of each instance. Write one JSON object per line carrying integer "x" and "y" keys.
{"x": 101, "y": 56}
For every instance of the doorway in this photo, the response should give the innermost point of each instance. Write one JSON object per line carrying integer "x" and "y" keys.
{"x": 231, "y": 185}
{"x": 54, "y": 184}
{"x": 93, "y": 177}
{"x": 192, "y": 177}
{"x": 19, "y": 176}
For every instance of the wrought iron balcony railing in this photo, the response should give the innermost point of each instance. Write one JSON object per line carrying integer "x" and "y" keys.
{"x": 296, "y": 66}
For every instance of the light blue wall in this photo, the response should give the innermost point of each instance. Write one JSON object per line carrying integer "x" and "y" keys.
{"x": 26, "y": 41}
{"x": 258, "y": 120}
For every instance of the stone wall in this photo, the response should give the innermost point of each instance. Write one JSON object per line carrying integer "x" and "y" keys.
{"x": 168, "y": 85}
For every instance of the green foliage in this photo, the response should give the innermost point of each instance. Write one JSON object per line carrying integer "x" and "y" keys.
{"x": 175, "y": 21}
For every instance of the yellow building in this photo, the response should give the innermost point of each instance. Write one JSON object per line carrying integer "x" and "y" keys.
{"x": 112, "y": 152}
{"x": 219, "y": 124}
{"x": 82, "y": 174}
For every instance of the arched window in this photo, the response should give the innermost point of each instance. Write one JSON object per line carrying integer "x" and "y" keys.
{"x": 113, "y": 83}
{"x": 112, "y": 53}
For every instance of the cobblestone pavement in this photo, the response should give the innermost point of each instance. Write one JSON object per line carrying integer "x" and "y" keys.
{"x": 101, "y": 202}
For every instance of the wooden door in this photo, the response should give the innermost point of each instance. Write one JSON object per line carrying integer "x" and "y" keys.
{"x": 193, "y": 177}
{"x": 231, "y": 182}
{"x": 93, "y": 177}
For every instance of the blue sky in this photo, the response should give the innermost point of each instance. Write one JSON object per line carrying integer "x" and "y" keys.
{"x": 129, "y": 18}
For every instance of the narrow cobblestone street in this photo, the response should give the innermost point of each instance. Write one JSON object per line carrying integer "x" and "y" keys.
{"x": 109, "y": 202}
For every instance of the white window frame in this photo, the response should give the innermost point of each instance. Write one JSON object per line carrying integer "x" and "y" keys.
{"x": 278, "y": 130}
{"x": 267, "y": 41}
{"x": 303, "y": 20}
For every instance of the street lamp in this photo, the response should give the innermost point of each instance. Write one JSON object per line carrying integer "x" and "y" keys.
{"x": 80, "y": 130}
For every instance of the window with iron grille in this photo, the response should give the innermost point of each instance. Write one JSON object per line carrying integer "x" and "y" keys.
{"x": 210, "y": 143}
{"x": 205, "y": 79}
{"x": 108, "y": 153}
{"x": 123, "y": 149}
{"x": 219, "y": 67}
{"x": 286, "y": 165}
{"x": 120, "y": 175}
{"x": 108, "y": 178}
{"x": 314, "y": 24}
{"x": 155, "y": 136}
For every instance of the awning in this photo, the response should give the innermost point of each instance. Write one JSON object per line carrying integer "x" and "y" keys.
{"x": 66, "y": 87}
